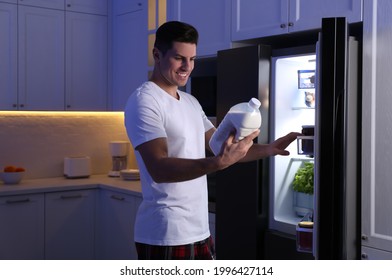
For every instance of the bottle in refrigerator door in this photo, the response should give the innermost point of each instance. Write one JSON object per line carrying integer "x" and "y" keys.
{"x": 304, "y": 234}
{"x": 305, "y": 143}
{"x": 244, "y": 118}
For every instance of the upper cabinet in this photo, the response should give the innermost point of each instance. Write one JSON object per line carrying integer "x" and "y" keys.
{"x": 51, "y": 4}
{"x": 255, "y": 18}
{"x": 86, "y": 62}
{"x": 8, "y": 56}
{"x": 99, "y": 7}
{"x": 10, "y": 1}
{"x": 211, "y": 18}
{"x": 121, "y": 7}
{"x": 56, "y": 55}
{"x": 41, "y": 59}
{"x": 129, "y": 49}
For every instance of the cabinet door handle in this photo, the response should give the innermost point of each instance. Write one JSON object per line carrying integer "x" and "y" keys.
{"x": 116, "y": 197}
{"x": 18, "y": 201}
{"x": 291, "y": 24}
{"x": 71, "y": 196}
{"x": 283, "y": 25}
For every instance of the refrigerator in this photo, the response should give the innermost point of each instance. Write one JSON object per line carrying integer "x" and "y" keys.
{"x": 302, "y": 80}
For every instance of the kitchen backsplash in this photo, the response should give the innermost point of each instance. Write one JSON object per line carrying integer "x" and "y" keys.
{"x": 39, "y": 141}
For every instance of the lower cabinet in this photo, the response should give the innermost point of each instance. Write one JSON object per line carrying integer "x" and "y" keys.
{"x": 114, "y": 232}
{"x": 22, "y": 227}
{"x": 70, "y": 225}
{"x": 84, "y": 224}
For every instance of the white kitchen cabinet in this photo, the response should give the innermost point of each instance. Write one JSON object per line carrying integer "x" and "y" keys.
{"x": 51, "y": 4}
{"x": 369, "y": 253}
{"x": 70, "y": 225}
{"x": 130, "y": 51}
{"x": 376, "y": 131}
{"x": 255, "y": 18}
{"x": 62, "y": 59}
{"x": 115, "y": 224}
{"x": 128, "y": 6}
{"x": 9, "y": 1}
{"x": 86, "y": 61}
{"x": 22, "y": 227}
{"x": 117, "y": 213}
{"x": 99, "y": 7}
{"x": 211, "y": 18}
{"x": 8, "y": 57}
{"x": 41, "y": 58}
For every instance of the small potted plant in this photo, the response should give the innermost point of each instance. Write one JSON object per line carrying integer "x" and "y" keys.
{"x": 303, "y": 187}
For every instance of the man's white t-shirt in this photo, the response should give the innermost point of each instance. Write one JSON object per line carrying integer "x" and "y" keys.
{"x": 170, "y": 213}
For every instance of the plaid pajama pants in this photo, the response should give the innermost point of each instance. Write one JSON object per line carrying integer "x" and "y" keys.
{"x": 202, "y": 250}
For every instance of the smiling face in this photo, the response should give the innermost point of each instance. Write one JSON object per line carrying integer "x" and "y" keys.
{"x": 172, "y": 69}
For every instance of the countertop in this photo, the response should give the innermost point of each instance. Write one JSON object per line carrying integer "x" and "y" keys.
{"x": 31, "y": 186}
{"x": 63, "y": 184}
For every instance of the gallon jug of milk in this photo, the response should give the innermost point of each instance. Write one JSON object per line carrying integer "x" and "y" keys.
{"x": 244, "y": 118}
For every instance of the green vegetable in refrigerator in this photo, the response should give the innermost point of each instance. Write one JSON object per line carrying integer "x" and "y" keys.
{"x": 304, "y": 179}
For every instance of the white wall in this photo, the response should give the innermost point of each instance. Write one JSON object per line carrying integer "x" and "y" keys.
{"x": 39, "y": 141}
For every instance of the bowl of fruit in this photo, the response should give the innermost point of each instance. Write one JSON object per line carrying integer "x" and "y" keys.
{"x": 12, "y": 174}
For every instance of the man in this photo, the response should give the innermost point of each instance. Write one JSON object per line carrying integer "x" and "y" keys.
{"x": 170, "y": 132}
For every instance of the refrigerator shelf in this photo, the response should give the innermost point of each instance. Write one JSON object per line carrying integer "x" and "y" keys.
{"x": 302, "y": 108}
{"x": 283, "y": 215}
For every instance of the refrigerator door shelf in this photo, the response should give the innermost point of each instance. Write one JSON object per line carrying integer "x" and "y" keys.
{"x": 305, "y": 145}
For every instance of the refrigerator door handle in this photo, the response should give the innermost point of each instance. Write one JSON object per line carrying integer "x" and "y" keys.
{"x": 316, "y": 151}
{"x": 336, "y": 152}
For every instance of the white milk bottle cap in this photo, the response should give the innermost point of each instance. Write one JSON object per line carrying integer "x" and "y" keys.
{"x": 254, "y": 103}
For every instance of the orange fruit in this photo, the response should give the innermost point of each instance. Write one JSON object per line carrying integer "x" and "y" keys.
{"x": 19, "y": 169}
{"x": 9, "y": 168}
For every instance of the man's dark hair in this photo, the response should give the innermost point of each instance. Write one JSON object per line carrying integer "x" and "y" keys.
{"x": 174, "y": 31}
